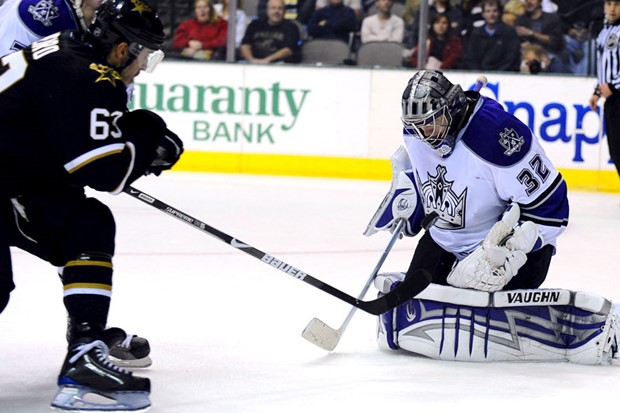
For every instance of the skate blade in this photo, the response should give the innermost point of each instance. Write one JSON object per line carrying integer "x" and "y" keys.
{"x": 132, "y": 364}
{"x": 76, "y": 399}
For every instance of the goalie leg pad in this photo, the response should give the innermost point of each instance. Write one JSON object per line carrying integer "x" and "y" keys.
{"x": 543, "y": 325}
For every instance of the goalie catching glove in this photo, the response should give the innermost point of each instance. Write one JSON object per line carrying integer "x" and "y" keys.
{"x": 503, "y": 251}
{"x": 401, "y": 202}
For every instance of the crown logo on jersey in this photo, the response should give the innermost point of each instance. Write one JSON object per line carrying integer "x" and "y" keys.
{"x": 141, "y": 7}
{"x": 511, "y": 141}
{"x": 44, "y": 11}
{"x": 438, "y": 196}
{"x": 105, "y": 73}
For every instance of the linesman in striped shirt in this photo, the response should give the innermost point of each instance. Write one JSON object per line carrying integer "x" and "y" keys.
{"x": 608, "y": 73}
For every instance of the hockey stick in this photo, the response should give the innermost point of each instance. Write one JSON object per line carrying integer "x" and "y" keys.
{"x": 404, "y": 292}
{"x": 322, "y": 335}
{"x": 481, "y": 82}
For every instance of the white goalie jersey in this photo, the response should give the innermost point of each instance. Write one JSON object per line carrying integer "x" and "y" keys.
{"x": 497, "y": 162}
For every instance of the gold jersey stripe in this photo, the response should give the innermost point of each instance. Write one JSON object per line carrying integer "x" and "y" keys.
{"x": 80, "y": 263}
{"x": 93, "y": 286}
{"x": 93, "y": 155}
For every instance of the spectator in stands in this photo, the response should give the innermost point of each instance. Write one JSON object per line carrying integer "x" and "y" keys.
{"x": 241, "y": 20}
{"x": 383, "y": 26}
{"x": 472, "y": 17}
{"x": 334, "y": 21}
{"x": 512, "y": 10}
{"x": 409, "y": 16}
{"x": 411, "y": 10}
{"x": 549, "y": 6}
{"x": 299, "y": 10}
{"x": 580, "y": 23}
{"x": 455, "y": 14}
{"x": 494, "y": 46}
{"x": 577, "y": 39}
{"x": 535, "y": 59}
{"x": 444, "y": 47}
{"x": 272, "y": 39}
{"x": 204, "y": 36}
{"x": 537, "y": 27}
{"x": 356, "y": 5}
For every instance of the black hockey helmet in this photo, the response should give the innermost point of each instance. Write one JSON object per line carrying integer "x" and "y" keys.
{"x": 135, "y": 21}
{"x": 432, "y": 110}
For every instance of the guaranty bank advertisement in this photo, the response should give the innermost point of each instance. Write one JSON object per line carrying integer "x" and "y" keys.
{"x": 345, "y": 121}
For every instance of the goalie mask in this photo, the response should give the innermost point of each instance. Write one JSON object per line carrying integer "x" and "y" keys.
{"x": 433, "y": 109}
{"x": 133, "y": 21}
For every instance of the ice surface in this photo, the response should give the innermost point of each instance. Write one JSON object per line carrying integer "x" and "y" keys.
{"x": 225, "y": 328}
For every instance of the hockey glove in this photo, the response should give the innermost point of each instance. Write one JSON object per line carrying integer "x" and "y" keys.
{"x": 503, "y": 251}
{"x": 168, "y": 153}
{"x": 157, "y": 147}
{"x": 401, "y": 202}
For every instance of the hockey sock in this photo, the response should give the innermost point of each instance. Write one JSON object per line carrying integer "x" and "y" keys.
{"x": 87, "y": 288}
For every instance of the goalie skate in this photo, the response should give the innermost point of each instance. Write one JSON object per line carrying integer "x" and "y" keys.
{"x": 89, "y": 382}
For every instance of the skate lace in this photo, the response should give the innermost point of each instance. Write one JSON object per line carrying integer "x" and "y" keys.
{"x": 126, "y": 343}
{"x": 102, "y": 352}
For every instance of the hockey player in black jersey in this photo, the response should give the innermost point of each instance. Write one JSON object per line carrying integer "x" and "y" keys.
{"x": 23, "y": 22}
{"x": 64, "y": 125}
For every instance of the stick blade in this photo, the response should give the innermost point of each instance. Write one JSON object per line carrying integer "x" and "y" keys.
{"x": 321, "y": 335}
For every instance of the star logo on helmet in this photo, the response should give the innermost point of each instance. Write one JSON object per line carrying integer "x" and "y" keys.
{"x": 105, "y": 73}
{"x": 140, "y": 7}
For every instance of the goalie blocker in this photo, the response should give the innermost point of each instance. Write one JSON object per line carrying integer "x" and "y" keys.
{"x": 541, "y": 325}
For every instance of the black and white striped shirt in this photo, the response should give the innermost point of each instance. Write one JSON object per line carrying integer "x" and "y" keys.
{"x": 608, "y": 53}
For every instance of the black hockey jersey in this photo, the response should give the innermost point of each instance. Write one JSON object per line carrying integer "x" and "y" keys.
{"x": 61, "y": 120}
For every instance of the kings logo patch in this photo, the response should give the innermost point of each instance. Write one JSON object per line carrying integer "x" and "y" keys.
{"x": 44, "y": 11}
{"x": 511, "y": 141}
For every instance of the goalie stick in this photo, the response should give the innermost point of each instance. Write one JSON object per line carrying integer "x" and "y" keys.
{"x": 326, "y": 337}
{"x": 322, "y": 335}
{"x": 406, "y": 290}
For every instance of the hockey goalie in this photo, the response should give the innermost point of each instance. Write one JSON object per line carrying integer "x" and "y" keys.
{"x": 491, "y": 205}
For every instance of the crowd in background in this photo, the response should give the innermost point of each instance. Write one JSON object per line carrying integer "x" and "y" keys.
{"x": 528, "y": 36}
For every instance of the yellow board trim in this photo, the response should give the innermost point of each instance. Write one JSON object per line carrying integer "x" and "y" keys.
{"x": 350, "y": 168}
{"x": 93, "y": 286}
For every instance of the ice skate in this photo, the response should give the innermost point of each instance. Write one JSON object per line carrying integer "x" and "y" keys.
{"x": 131, "y": 352}
{"x": 89, "y": 382}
